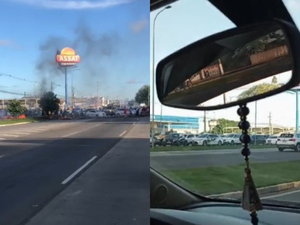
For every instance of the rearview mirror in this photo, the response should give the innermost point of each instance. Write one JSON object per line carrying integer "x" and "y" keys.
{"x": 231, "y": 68}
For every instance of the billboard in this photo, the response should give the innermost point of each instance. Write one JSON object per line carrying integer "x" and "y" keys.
{"x": 67, "y": 57}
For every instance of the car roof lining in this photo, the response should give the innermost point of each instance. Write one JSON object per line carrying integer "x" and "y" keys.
{"x": 243, "y": 10}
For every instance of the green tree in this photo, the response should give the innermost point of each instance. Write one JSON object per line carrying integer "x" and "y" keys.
{"x": 257, "y": 90}
{"x": 49, "y": 103}
{"x": 223, "y": 123}
{"x": 143, "y": 94}
{"x": 15, "y": 108}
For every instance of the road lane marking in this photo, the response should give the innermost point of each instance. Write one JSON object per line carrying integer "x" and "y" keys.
{"x": 68, "y": 135}
{"x": 122, "y": 134}
{"x": 77, "y": 171}
{"x": 9, "y": 135}
{"x": 279, "y": 195}
{"x": 133, "y": 124}
{"x": 1, "y": 156}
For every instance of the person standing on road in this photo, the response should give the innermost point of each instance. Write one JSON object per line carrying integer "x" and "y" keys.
{"x": 125, "y": 111}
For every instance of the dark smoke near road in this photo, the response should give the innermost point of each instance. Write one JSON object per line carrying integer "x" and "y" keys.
{"x": 91, "y": 47}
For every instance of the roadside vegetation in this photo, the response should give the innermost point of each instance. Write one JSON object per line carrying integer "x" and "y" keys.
{"x": 216, "y": 180}
{"x": 203, "y": 148}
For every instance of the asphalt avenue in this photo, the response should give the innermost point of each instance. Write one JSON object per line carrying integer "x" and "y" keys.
{"x": 40, "y": 162}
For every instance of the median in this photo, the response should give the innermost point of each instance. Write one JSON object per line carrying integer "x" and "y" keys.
{"x": 7, "y": 122}
{"x": 201, "y": 148}
{"x": 224, "y": 179}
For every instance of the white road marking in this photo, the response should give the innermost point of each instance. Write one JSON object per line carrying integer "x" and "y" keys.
{"x": 18, "y": 133}
{"x": 77, "y": 171}
{"x": 68, "y": 135}
{"x": 122, "y": 133}
{"x": 279, "y": 195}
{"x": 1, "y": 156}
{"x": 9, "y": 135}
{"x": 133, "y": 124}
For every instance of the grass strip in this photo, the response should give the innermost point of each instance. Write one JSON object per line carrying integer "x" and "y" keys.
{"x": 200, "y": 148}
{"x": 216, "y": 180}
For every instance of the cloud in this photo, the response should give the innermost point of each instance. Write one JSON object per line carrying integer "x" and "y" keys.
{"x": 139, "y": 26}
{"x": 74, "y": 5}
{"x": 5, "y": 42}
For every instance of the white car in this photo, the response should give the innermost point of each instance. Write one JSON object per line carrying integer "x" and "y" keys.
{"x": 120, "y": 112}
{"x": 288, "y": 141}
{"x": 95, "y": 113}
{"x": 272, "y": 140}
{"x": 208, "y": 139}
{"x": 232, "y": 139}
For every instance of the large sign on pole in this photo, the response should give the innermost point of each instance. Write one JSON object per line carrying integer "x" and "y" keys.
{"x": 67, "y": 57}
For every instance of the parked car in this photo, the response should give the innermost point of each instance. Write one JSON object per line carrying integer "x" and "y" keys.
{"x": 258, "y": 139}
{"x": 272, "y": 140}
{"x": 170, "y": 139}
{"x": 232, "y": 139}
{"x": 208, "y": 139}
{"x": 95, "y": 113}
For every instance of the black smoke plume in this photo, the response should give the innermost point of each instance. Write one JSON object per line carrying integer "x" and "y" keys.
{"x": 92, "y": 48}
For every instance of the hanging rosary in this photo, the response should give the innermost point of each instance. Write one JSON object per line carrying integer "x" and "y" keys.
{"x": 250, "y": 198}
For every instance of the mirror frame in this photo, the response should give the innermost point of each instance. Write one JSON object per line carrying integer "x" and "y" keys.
{"x": 293, "y": 38}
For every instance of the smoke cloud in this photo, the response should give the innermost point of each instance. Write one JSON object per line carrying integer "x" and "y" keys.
{"x": 92, "y": 48}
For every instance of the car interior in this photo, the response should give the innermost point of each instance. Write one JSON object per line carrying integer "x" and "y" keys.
{"x": 172, "y": 204}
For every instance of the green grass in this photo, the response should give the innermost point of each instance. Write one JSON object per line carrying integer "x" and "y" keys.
{"x": 189, "y": 148}
{"x": 14, "y": 121}
{"x": 216, "y": 180}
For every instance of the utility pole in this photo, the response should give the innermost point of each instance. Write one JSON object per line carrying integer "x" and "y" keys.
{"x": 204, "y": 121}
{"x": 73, "y": 97}
{"x": 270, "y": 124}
{"x": 97, "y": 95}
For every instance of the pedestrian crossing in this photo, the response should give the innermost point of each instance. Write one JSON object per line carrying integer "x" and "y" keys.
{"x": 17, "y": 132}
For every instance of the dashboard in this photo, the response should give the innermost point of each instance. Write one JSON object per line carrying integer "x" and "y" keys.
{"x": 223, "y": 214}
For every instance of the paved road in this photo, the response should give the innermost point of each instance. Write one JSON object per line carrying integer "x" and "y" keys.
{"x": 288, "y": 196}
{"x": 193, "y": 159}
{"x": 36, "y": 166}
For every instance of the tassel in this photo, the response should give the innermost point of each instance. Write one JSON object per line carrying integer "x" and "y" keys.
{"x": 250, "y": 198}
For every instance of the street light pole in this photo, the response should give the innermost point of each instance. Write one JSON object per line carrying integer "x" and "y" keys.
{"x": 153, "y": 71}
{"x": 296, "y": 92}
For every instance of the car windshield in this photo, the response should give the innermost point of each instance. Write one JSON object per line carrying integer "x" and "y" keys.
{"x": 215, "y": 167}
{"x": 202, "y": 136}
{"x": 286, "y": 135}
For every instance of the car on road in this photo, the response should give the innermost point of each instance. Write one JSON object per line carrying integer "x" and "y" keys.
{"x": 95, "y": 113}
{"x": 288, "y": 141}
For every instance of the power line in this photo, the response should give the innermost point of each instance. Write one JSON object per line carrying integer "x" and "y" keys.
{"x": 18, "y": 78}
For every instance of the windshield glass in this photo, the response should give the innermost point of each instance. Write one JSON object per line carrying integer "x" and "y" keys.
{"x": 203, "y": 136}
{"x": 286, "y": 135}
{"x": 215, "y": 167}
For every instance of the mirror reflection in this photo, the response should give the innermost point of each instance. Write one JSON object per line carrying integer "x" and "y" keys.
{"x": 234, "y": 68}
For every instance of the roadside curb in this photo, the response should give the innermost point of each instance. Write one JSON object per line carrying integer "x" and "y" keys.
{"x": 262, "y": 190}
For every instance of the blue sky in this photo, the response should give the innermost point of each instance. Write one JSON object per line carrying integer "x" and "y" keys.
{"x": 111, "y": 36}
{"x": 190, "y": 20}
